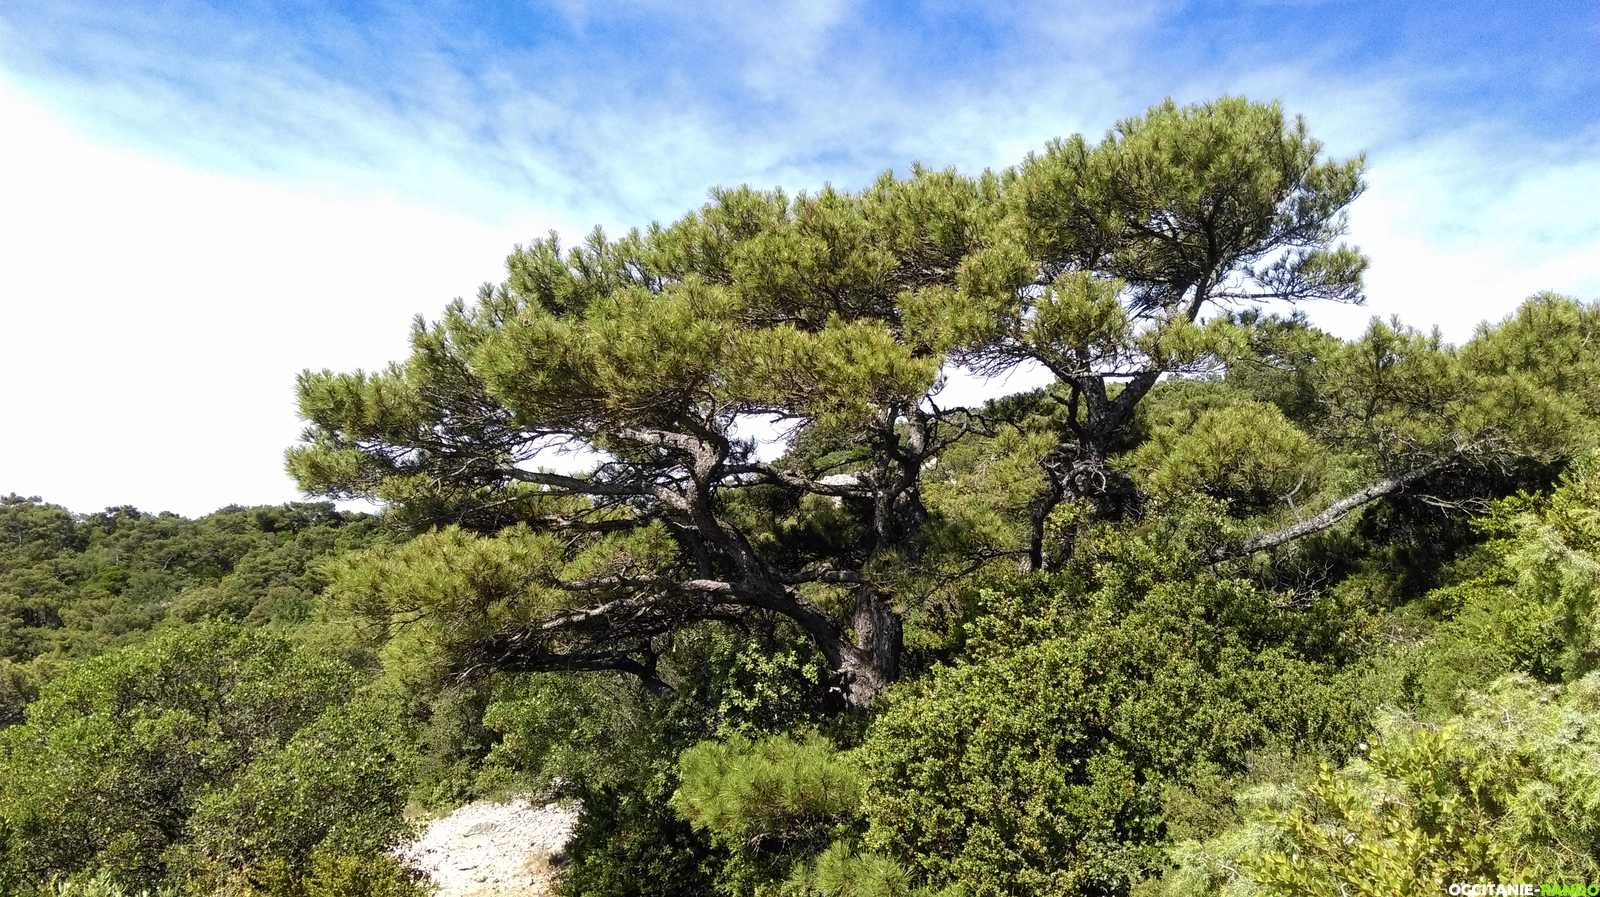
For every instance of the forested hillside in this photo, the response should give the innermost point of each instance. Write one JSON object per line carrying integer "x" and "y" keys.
{"x": 1231, "y": 606}
{"x": 75, "y": 586}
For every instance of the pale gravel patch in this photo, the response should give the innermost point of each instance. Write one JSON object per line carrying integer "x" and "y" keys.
{"x": 489, "y": 849}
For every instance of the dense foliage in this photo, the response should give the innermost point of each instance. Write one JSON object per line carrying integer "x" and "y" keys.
{"x": 206, "y": 752}
{"x": 1228, "y": 605}
{"x": 75, "y": 586}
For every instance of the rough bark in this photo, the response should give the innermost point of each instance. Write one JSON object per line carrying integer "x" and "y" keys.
{"x": 874, "y": 659}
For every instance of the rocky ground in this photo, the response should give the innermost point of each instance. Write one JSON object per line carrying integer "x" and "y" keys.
{"x": 486, "y": 849}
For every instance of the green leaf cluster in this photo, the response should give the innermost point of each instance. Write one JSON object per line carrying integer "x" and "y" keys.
{"x": 205, "y": 750}
{"x": 1504, "y": 792}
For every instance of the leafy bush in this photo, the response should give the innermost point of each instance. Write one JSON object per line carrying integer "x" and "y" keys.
{"x": 344, "y": 875}
{"x": 779, "y": 789}
{"x": 204, "y": 747}
{"x": 843, "y": 871}
{"x": 629, "y": 843}
{"x": 768, "y": 803}
{"x": 1533, "y": 603}
{"x": 337, "y": 784}
{"x": 1508, "y": 791}
{"x": 616, "y": 749}
{"x": 100, "y": 885}
{"x": 1041, "y": 769}
{"x": 327, "y": 873}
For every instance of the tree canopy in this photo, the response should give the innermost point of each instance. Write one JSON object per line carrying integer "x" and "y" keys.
{"x": 835, "y": 318}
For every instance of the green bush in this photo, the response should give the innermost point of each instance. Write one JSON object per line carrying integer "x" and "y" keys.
{"x": 629, "y": 843}
{"x": 843, "y": 871}
{"x": 1533, "y": 603}
{"x": 1041, "y": 769}
{"x": 338, "y": 784}
{"x": 779, "y": 789}
{"x": 769, "y": 803}
{"x": 616, "y": 749}
{"x": 328, "y": 873}
{"x": 115, "y": 755}
{"x": 343, "y": 875}
{"x": 100, "y": 885}
{"x": 1508, "y": 791}
{"x": 208, "y": 748}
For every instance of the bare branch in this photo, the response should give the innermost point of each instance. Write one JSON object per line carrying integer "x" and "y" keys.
{"x": 575, "y": 485}
{"x": 1338, "y": 510}
{"x": 838, "y": 485}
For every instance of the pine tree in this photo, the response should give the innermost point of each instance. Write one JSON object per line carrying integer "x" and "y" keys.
{"x": 832, "y": 317}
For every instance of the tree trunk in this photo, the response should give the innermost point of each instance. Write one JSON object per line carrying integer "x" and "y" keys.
{"x": 873, "y": 661}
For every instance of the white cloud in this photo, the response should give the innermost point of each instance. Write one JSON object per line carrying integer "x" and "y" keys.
{"x": 153, "y": 316}
{"x": 1462, "y": 227}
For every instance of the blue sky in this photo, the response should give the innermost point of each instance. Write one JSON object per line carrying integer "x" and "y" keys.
{"x": 202, "y": 199}
{"x": 626, "y": 113}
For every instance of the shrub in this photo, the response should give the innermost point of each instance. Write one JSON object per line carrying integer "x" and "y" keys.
{"x": 1534, "y": 605}
{"x": 769, "y": 803}
{"x": 1041, "y": 769}
{"x": 779, "y": 789}
{"x": 208, "y": 749}
{"x": 329, "y": 874}
{"x": 99, "y": 885}
{"x": 1508, "y": 791}
{"x": 338, "y": 784}
{"x": 843, "y": 871}
{"x": 115, "y": 755}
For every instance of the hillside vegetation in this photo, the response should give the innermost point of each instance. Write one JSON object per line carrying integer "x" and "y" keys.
{"x": 1230, "y": 606}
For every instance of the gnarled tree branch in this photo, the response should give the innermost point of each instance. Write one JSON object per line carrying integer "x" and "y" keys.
{"x": 1335, "y": 512}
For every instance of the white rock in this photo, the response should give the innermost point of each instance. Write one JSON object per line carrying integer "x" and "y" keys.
{"x": 486, "y": 849}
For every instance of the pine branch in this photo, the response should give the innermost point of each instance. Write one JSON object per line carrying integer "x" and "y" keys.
{"x": 1337, "y": 511}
